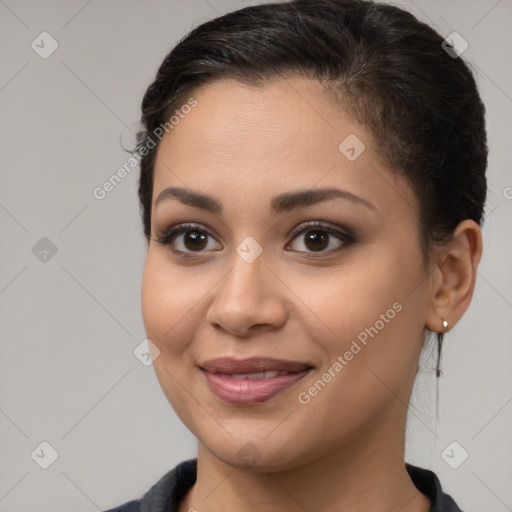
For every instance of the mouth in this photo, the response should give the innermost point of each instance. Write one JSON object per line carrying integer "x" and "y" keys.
{"x": 253, "y": 365}
{"x": 254, "y": 380}
{"x": 254, "y": 376}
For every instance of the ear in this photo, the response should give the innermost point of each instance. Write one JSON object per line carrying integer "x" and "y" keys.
{"x": 453, "y": 276}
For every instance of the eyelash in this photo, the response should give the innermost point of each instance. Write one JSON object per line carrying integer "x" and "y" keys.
{"x": 178, "y": 229}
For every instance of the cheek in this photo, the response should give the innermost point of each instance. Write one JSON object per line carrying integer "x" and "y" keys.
{"x": 370, "y": 304}
{"x": 166, "y": 303}
{"x": 167, "y": 311}
{"x": 370, "y": 320}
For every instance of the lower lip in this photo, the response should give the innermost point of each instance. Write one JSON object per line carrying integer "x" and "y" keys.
{"x": 250, "y": 391}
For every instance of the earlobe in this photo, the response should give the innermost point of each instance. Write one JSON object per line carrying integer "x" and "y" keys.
{"x": 457, "y": 267}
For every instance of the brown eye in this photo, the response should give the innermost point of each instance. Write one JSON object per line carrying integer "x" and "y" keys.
{"x": 184, "y": 238}
{"x": 316, "y": 240}
{"x": 319, "y": 238}
{"x": 195, "y": 240}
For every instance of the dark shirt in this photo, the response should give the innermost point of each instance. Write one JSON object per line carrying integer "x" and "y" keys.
{"x": 169, "y": 491}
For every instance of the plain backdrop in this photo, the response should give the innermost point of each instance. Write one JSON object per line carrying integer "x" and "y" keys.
{"x": 71, "y": 264}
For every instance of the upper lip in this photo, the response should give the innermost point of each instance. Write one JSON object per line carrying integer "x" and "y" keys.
{"x": 231, "y": 365}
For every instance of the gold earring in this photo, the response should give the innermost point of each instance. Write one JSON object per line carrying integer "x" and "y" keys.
{"x": 445, "y": 324}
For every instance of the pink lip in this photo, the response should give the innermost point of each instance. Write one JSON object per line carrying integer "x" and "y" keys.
{"x": 250, "y": 391}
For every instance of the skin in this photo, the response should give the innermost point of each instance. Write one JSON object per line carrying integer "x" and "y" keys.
{"x": 344, "y": 450}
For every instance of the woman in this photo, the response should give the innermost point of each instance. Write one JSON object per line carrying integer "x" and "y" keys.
{"x": 312, "y": 188}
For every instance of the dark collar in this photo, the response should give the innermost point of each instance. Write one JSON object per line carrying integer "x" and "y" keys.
{"x": 428, "y": 483}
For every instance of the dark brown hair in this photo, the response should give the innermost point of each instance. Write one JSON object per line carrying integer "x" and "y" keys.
{"x": 385, "y": 67}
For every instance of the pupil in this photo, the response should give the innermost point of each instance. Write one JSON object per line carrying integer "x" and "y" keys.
{"x": 197, "y": 238}
{"x": 318, "y": 239}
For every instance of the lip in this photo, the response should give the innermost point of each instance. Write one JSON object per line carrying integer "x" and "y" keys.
{"x": 230, "y": 365}
{"x": 219, "y": 377}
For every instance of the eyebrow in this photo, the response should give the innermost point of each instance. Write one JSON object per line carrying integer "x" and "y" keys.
{"x": 279, "y": 204}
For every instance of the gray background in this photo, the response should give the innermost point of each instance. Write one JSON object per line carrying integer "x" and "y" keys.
{"x": 70, "y": 324}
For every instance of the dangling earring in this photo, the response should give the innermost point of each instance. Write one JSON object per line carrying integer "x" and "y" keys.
{"x": 440, "y": 336}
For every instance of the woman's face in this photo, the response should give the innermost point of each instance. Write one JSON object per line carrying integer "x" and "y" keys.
{"x": 251, "y": 279}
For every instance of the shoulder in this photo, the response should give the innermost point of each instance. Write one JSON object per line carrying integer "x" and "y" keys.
{"x": 428, "y": 483}
{"x": 130, "y": 506}
{"x": 166, "y": 494}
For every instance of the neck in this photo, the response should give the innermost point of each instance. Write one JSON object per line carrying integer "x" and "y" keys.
{"x": 366, "y": 474}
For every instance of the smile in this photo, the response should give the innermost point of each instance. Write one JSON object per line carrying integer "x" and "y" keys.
{"x": 251, "y": 388}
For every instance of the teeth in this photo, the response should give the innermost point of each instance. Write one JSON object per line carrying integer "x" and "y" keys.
{"x": 259, "y": 375}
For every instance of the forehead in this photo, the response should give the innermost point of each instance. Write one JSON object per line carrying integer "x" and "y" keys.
{"x": 252, "y": 120}
{"x": 260, "y": 140}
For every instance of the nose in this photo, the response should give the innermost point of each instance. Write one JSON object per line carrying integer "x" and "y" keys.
{"x": 249, "y": 298}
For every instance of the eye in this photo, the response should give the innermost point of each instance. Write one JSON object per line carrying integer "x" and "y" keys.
{"x": 187, "y": 239}
{"x": 317, "y": 237}
{"x": 190, "y": 238}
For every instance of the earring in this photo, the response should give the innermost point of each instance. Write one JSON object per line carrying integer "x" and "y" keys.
{"x": 440, "y": 336}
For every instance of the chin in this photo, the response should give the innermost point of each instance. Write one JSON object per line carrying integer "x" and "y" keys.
{"x": 260, "y": 456}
